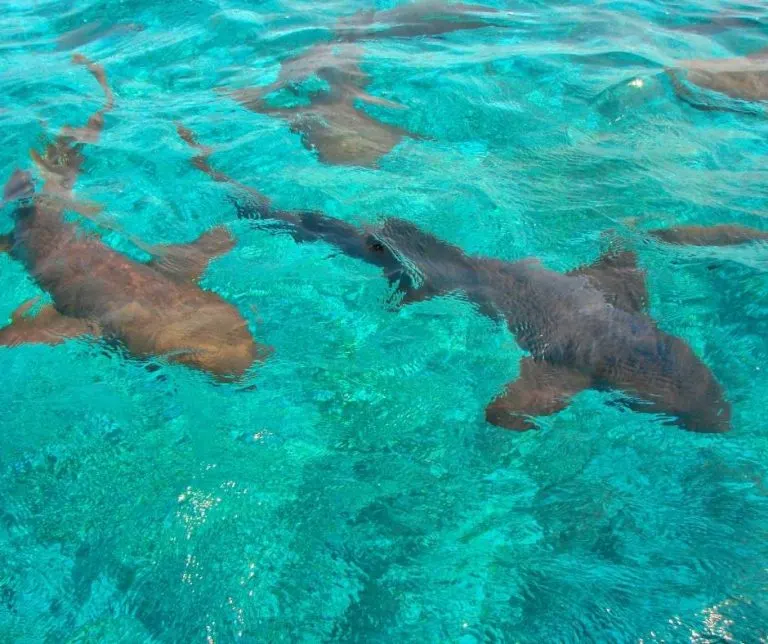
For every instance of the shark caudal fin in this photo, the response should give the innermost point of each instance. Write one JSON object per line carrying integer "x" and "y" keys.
{"x": 91, "y": 131}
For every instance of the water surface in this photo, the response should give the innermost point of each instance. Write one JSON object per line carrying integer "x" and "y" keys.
{"x": 357, "y": 494}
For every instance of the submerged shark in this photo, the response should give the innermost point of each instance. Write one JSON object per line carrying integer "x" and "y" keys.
{"x": 152, "y": 309}
{"x": 93, "y": 31}
{"x": 425, "y": 18}
{"x": 743, "y": 78}
{"x": 333, "y": 124}
{"x": 585, "y": 329}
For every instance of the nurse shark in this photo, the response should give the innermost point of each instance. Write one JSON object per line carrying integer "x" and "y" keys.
{"x": 333, "y": 124}
{"x": 585, "y": 329}
{"x": 425, "y": 18}
{"x": 742, "y": 78}
{"x": 152, "y": 309}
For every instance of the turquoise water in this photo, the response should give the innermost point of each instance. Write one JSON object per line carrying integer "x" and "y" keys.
{"x": 356, "y": 493}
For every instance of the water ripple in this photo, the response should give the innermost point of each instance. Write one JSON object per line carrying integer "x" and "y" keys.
{"x": 353, "y": 490}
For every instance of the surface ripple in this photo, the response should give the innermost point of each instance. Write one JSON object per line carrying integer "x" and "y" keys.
{"x": 356, "y": 492}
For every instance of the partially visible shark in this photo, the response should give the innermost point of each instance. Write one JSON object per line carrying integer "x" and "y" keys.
{"x": 152, "y": 309}
{"x": 743, "y": 17}
{"x": 744, "y": 78}
{"x": 333, "y": 124}
{"x": 424, "y": 18}
{"x": 92, "y": 31}
{"x": 340, "y": 131}
{"x": 585, "y": 329}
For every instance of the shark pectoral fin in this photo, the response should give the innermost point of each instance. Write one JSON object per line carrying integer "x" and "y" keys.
{"x": 6, "y": 243}
{"x": 47, "y": 327}
{"x": 376, "y": 100}
{"x": 616, "y": 274}
{"x": 418, "y": 295}
{"x": 541, "y": 389}
{"x": 88, "y": 209}
{"x": 411, "y": 294}
{"x": 18, "y": 186}
{"x": 253, "y": 99}
{"x": 187, "y": 262}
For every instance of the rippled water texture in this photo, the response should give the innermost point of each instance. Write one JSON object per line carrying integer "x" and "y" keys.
{"x": 356, "y": 493}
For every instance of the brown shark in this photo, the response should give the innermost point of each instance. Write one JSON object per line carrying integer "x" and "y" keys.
{"x": 333, "y": 124}
{"x": 720, "y": 235}
{"x": 425, "y": 18}
{"x": 744, "y": 78}
{"x": 744, "y": 17}
{"x": 152, "y": 309}
{"x": 588, "y": 328}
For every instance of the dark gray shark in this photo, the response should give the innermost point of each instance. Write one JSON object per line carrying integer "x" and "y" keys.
{"x": 588, "y": 328}
{"x": 93, "y": 31}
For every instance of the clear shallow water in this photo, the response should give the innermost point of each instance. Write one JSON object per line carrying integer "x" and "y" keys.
{"x": 357, "y": 494}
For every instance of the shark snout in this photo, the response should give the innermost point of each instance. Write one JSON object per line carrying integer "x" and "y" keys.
{"x": 216, "y": 340}
{"x": 711, "y": 415}
{"x": 228, "y": 362}
{"x": 500, "y": 414}
{"x": 698, "y": 401}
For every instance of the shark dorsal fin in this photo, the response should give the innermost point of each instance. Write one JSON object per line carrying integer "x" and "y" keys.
{"x": 616, "y": 274}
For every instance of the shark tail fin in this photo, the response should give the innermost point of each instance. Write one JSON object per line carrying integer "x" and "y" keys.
{"x": 200, "y": 160}
{"x": 258, "y": 203}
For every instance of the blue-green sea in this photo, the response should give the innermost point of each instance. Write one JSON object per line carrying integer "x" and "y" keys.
{"x": 351, "y": 490}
